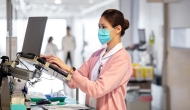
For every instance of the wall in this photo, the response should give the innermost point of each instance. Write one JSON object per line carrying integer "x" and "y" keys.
{"x": 151, "y": 19}
{"x": 126, "y": 9}
{"x": 178, "y": 61}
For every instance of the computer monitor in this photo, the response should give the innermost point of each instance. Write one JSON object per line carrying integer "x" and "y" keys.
{"x": 34, "y": 36}
{"x": 142, "y": 37}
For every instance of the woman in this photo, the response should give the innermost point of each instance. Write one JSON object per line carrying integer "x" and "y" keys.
{"x": 51, "y": 48}
{"x": 105, "y": 75}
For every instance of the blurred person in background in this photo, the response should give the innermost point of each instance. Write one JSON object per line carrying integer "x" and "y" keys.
{"x": 68, "y": 47}
{"x": 104, "y": 76}
{"x": 51, "y": 48}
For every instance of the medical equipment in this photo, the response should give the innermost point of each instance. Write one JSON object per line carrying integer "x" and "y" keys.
{"x": 10, "y": 68}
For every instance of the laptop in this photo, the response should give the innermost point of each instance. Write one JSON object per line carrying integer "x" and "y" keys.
{"x": 33, "y": 37}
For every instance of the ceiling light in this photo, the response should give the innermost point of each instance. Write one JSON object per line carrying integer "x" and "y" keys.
{"x": 91, "y": 1}
{"x": 57, "y": 1}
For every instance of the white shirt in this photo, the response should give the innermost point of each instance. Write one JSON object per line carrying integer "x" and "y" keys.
{"x": 68, "y": 43}
{"x": 51, "y": 49}
{"x": 102, "y": 60}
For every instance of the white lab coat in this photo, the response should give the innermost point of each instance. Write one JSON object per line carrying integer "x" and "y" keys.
{"x": 68, "y": 45}
{"x": 51, "y": 49}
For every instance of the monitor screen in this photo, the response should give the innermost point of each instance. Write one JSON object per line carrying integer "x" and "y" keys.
{"x": 142, "y": 37}
{"x": 34, "y": 35}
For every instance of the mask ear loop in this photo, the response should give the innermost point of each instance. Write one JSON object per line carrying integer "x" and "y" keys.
{"x": 115, "y": 34}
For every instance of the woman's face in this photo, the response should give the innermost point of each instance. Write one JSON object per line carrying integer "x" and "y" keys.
{"x": 104, "y": 24}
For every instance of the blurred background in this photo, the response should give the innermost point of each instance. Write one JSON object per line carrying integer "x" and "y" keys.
{"x": 158, "y": 41}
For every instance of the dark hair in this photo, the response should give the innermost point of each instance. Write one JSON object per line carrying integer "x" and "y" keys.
{"x": 50, "y": 38}
{"x": 115, "y": 18}
{"x": 68, "y": 28}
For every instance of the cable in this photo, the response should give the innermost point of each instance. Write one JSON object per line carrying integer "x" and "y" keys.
{"x": 50, "y": 79}
{"x": 31, "y": 84}
{"x": 18, "y": 53}
{"x": 23, "y": 63}
{"x": 11, "y": 86}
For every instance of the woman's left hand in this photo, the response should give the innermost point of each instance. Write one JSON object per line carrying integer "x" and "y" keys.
{"x": 57, "y": 61}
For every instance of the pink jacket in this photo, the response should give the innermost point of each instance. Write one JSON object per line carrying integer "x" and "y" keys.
{"x": 110, "y": 88}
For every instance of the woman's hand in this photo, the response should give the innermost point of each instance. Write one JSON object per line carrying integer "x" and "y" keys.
{"x": 57, "y": 61}
{"x": 42, "y": 56}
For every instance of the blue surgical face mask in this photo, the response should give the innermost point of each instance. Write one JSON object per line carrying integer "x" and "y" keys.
{"x": 104, "y": 36}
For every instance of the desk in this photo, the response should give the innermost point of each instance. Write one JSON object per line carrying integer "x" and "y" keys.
{"x": 67, "y": 100}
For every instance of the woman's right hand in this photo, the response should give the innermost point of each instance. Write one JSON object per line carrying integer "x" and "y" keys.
{"x": 57, "y": 61}
{"x": 46, "y": 57}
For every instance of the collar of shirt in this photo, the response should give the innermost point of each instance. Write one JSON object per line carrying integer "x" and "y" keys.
{"x": 111, "y": 52}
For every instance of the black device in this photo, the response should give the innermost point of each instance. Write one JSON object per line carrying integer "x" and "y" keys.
{"x": 142, "y": 36}
{"x": 43, "y": 61}
{"x": 43, "y": 101}
{"x": 142, "y": 41}
{"x": 33, "y": 37}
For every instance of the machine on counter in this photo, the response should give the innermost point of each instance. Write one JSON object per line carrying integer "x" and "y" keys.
{"x": 30, "y": 54}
